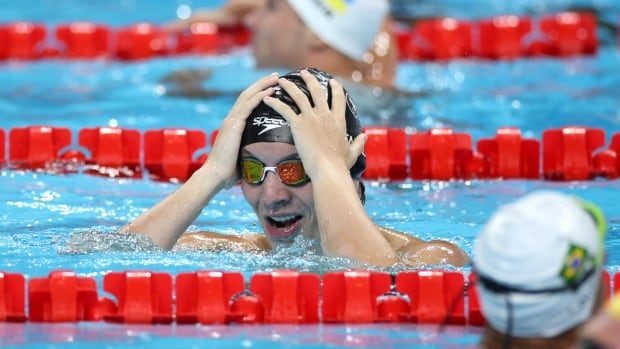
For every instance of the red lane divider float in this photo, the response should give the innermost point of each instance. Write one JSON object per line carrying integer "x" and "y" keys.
{"x": 143, "y": 296}
{"x": 21, "y": 40}
{"x": 115, "y": 152}
{"x": 209, "y": 38}
{"x": 568, "y": 152}
{"x": 12, "y": 297}
{"x": 287, "y": 296}
{"x": 351, "y": 297}
{"x": 570, "y": 33}
{"x": 607, "y": 282}
{"x": 441, "y": 39}
{"x": 281, "y": 296}
{"x": 502, "y": 37}
{"x": 205, "y": 296}
{"x": 436, "y": 296}
{"x": 439, "y": 154}
{"x": 64, "y": 297}
{"x": 386, "y": 153}
{"x": 498, "y": 37}
{"x": 37, "y": 147}
{"x": 2, "y": 148}
{"x": 141, "y": 41}
{"x": 475, "y": 316}
{"x": 508, "y": 155}
{"x": 89, "y": 40}
{"x": 173, "y": 154}
{"x": 82, "y": 40}
{"x": 607, "y": 161}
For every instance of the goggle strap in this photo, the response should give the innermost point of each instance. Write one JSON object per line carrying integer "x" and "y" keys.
{"x": 498, "y": 287}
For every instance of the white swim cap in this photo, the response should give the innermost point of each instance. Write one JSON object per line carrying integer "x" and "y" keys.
{"x": 349, "y": 26}
{"x": 541, "y": 257}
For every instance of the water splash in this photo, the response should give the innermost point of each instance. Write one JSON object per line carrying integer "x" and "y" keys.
{"x": 98, "y": 241}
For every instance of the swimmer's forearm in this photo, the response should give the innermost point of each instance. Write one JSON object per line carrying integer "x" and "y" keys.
{"x": 232, "y": 12}
{"x": 346, "y": 229}
{"x": 165, "y": 222}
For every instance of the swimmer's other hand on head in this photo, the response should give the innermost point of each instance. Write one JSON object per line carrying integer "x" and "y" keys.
{"x": 227, "y": 143}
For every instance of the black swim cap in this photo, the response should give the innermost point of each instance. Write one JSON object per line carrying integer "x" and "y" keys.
{"x": 266, "y": 125}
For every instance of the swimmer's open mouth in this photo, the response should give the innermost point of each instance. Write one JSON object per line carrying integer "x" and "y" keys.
{"x": 283, "y": 227}
{"x": 284, "y": 221}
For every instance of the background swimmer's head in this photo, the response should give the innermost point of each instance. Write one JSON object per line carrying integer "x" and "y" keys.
{"x": 539, "y": 261}
{"x": 349, "y": 27}
{"x": 266, "y": 125}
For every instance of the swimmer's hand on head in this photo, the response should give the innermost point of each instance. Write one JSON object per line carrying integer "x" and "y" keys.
{"x": 345, "y": 228}
{"x": 319, "y": 133}
{"x": 165, "y": 222}
{"x": 222, "y": 159}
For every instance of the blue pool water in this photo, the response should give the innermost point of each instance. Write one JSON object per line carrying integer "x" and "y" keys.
{"x": 52, "y": 222}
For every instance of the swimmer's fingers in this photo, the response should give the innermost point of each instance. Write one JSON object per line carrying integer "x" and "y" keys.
{"x": 246, "y": 104}
{"x": 284, "y": 110}
{"x": 301, "y": 100}
{"x": 251, "y": 97}
{"x": 356, "y": 149}
{"x": 339, "y": 104}
{"x": 317, "y": 92}
{"x": 255, "y": 92}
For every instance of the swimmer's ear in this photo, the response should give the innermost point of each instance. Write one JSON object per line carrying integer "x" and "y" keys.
{"x": 356, "y": 148}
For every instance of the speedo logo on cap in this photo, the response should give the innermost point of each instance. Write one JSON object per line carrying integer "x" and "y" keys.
{"x": 268, "y": 123}
{"x": 333, "y": 6}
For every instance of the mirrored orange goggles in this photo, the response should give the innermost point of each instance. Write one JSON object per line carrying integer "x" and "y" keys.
{"x": 289, "y": 172}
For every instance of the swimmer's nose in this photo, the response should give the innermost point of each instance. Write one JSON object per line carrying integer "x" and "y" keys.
{"x": 275, "y": 194}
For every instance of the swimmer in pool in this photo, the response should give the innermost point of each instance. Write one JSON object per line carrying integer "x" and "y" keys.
{"x": 539, "y": 263}
{"x": 352, "y": 42}
{"x": 296, "y": 144}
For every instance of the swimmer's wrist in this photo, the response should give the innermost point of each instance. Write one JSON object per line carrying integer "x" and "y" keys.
{"x": 210, "y": 174}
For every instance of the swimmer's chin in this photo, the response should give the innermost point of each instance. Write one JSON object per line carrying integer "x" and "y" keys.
{"x": 282, "y": 240}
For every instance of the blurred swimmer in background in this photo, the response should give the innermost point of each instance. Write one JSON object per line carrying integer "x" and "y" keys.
{"x": 351, "y": 40}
